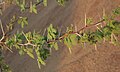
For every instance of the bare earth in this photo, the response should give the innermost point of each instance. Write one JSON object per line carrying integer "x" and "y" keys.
{"x": 105, "y": 59}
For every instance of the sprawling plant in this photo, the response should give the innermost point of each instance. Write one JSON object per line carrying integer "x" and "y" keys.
{"x": 39, "y": 46}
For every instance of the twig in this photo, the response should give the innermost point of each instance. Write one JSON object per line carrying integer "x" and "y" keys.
{"x": 77, "y": 32}
{"x": 26, "y": 44}
{"x": 2, "y": 28}
{"x": 3, "y": 36}
{"x": 25, "y": 37}
{"x": 9, "y": 49}
{"x": 87, "y": 26}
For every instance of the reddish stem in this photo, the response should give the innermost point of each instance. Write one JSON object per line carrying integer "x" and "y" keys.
{"x": 77, "y": 32}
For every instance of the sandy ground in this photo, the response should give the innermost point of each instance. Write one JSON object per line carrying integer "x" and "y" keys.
{"x": 105, "y": 59}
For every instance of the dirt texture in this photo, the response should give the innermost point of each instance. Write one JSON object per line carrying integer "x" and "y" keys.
{"x": 105, "y": 59}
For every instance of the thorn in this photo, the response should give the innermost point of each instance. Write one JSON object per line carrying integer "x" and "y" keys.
{"x": 50, "y": 51}
{"x": 70, "y": 50}
{"x": 104, "y": 14}
{"x": 10, "y": 50}
{"x": 98, "y": 28}
{"x": 38, "y": 64}
{"x": 44, "y": 31}
{"x": 85, "y": 20}
{"x": 76, "y": 28}
{"x": 104, "y": 40}
{"x": 60, "y": 31}
{"x": 96, "y": 47}
{"x": 78, "y": 34}
{"x": 100, "y": 19}
{"x": 115, "y": 37}
{"x": 111, "y": 38}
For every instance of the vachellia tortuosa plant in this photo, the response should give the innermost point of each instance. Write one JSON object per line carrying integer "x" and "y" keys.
{"x": 39, "y": 46}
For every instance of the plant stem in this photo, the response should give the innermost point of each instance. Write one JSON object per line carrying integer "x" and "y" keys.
{"x": 76, "y": 32}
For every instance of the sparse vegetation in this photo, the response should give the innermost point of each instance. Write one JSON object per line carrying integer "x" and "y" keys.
{"x": 30, "y": 42}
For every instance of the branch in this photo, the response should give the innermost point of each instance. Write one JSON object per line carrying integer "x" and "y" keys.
{"x": 87, "y": 26}
{"x": 3, "y": 33}
{"x": 77, "y": 32}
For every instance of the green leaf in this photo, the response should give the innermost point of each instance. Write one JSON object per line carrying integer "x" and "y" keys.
{"x": 39, "y": 59}
{"x": 55, "y": 46}
{"x": 17, "y": 2}
{"x": 34, "y": 9}
{"x": 92, "y": 38}
{"x": 116, "y": 30}
{"x": 45, "y": 2}
{"x": 31, "y": 5}
{"x": 106, "y": 31}
{"x": 99, "y": 35}
{"x": 44, "y": 53}
{"x": 16, "y": 46}
{"x": 61, "y": 2}
{"x": 21, "y": 51}
{"x": 68, "y": 43}
{"x": 28, "y": 36}
{"x": 73, "y": 38}
{"x": 10, "y": 42}
{"x": 30, "y": 53}
{"x": 84, "y": 37}
{"x": 116, "y": 11}
{"x": 49, "y": 36}
{"x": 38, "y": 1}
{"x": 89, "y": 21}
{"x": 22, "y": 6}
{"x": 50, "y": 45}
{"x": 52, "y": 32}
{"x": 70, "y": 29}
{"x": 23, "y": 21}
{"x": 19, "y": 37}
